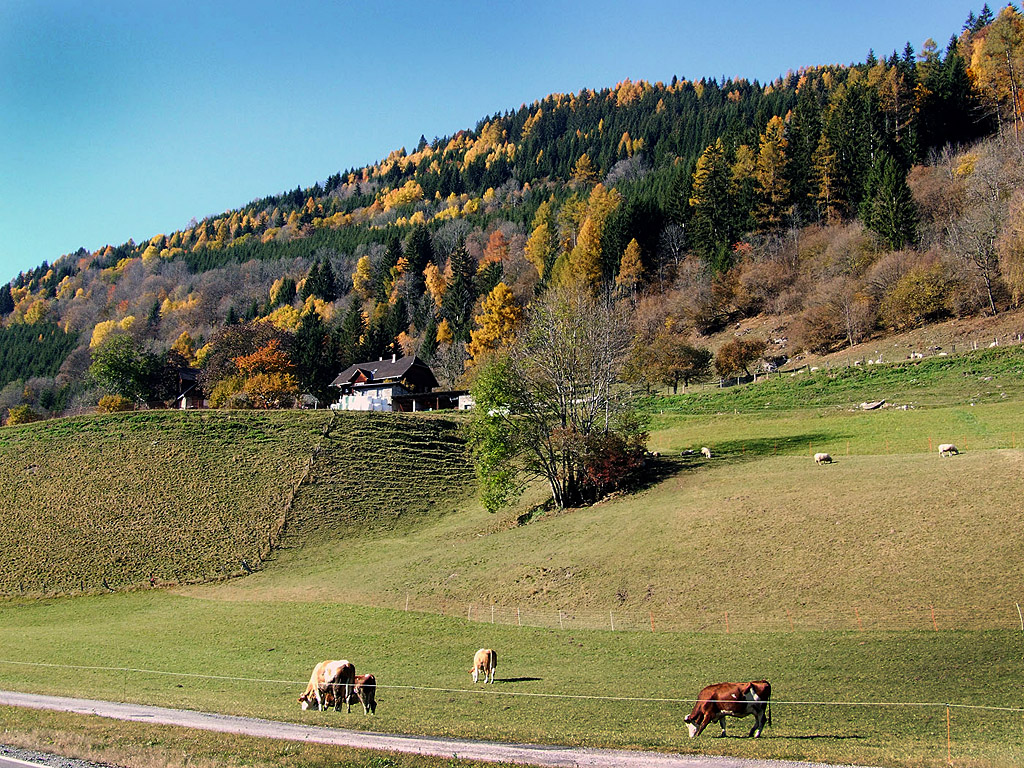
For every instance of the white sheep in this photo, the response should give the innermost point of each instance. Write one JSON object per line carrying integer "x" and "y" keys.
{"x": 822, "y": 458}
{"x": 948, "y": 449}
{"x": 705, "y": 452}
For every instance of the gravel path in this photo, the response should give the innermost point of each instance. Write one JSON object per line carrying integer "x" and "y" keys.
{"x": 529, "y": 754}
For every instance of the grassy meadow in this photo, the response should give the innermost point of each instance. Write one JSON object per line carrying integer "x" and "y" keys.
{"x": 421, "y": 661}
{"x": 889, "y": 577}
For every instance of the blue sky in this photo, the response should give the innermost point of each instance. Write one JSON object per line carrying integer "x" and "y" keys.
{"x": 125, "y": 119}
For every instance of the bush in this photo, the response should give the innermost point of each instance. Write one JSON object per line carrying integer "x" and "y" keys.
{"x": 922, "y": 295}
{"x": 114, "y": 403}
{"x": 735, "y": 356}
{"x": 22, "y": 414}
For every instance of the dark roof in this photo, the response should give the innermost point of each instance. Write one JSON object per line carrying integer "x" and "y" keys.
{"x": 409, "y": 366}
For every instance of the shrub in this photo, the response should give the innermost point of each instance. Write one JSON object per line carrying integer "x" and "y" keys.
{"x": 114, "y": 403}
{"x": 22, "y": 414}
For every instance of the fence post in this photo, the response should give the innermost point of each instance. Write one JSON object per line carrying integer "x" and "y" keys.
{"x": 469, "y": 613}
{"x": 934, "y": 625}
{"x": 652, "y": 621}
{"x": 406, "y": 601}
{"x": 611, "y": 616}
{"x": 560, "y": 626}
{"x": 949, "y": 747}
{"x": 519, "y": 617}
{"x": 1021, "y": 616}
{"x": 790, "y": 620}
{"x": 727, "y": 622}
{"x": 492, "y": 614}
{"x": 857, "y": 613}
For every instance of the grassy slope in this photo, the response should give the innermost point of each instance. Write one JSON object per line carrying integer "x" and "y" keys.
{"x": 874, "y": 540}
{"x": 112, "y": 499}
{"x": 97, "y": 503}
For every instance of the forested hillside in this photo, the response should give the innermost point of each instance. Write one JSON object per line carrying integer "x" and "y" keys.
{"x": 851, "y": 200}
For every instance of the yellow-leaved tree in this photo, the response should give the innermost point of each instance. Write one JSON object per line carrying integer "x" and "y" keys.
{"x": 496, "y": 325}
{"x": 362, "y": 278}
{"x": 268, "y": 377}
{"x": 631, "y": 269}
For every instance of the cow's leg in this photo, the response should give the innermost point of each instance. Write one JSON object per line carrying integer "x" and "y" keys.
{"x": 759, "y": 721}
{"x": 721, "y": 722}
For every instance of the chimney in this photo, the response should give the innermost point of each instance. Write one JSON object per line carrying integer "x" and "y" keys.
{"x": 394, "y": 357}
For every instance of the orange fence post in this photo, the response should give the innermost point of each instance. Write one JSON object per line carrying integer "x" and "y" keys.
{"x": 652, "y": 621}
{"x": 857, "y": 613}
{"x": 929, "y": 445}
{"x": 727, "y": 622}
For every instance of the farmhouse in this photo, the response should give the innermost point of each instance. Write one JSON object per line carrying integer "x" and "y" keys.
{"x": 398, "y": 384}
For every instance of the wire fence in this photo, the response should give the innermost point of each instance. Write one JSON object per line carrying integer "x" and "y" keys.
{"x": 796, "y": 619}
{"x": 881, "y": 705}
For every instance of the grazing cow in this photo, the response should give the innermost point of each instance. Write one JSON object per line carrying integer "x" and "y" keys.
{"x": 822, "y": 458}
{"x": 948, "y": 449}
{"x": 705, "y": 452}
{"x": 365, "y": 692}
{"x": 486, "y": 661}
{"x": 735, "y": 700}
{"x": 331, "y": 681}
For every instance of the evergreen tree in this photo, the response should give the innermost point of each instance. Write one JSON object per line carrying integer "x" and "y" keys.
{"x": 314, "y": 282}
{"x": 460, "y": 295}
{"x": 890, "y": 212}
{"x": 711, "y": 219}
{"x": 315, "y": 357}
{"x": 348, "y": 338}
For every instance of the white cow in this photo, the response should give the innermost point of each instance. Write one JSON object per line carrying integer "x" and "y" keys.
{"x": 705, "y": 452}
{"x": 948, "y": 449}
{"x": 486, "y": 661}
{"x": 822, "y": 458}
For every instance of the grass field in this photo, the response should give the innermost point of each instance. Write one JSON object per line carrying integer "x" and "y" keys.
{"x": 890, "y": 576}
{"x": 428, "y": 656}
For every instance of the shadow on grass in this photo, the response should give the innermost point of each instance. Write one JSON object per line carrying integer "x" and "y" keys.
{"x": 759, "y": 447}
{"x": 517, "y": 679}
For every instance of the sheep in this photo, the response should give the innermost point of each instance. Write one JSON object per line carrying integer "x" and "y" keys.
{"x": 822, "y": 458}
{"x": 705, "y": 452}
{"x": 948, "y": 449}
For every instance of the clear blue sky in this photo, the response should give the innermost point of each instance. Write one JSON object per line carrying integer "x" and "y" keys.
{"x": 123, "y": 119}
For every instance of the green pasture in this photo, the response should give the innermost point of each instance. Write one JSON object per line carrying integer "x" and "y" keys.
{"x": 989, "y": 375}
{"x": 897, "y": 540}
{"x": 422, "y": 660}
{"x": 889, "y": 577}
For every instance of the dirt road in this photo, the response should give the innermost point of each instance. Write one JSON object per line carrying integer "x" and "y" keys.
{"x": 528, "y": 754}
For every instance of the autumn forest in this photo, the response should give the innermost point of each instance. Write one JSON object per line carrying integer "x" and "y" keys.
{"x": 853, "y": 201}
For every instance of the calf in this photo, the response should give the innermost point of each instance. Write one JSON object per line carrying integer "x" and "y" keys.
{"x": 486, "y": 661}
{"x": 365, "y": 692}
{"x": 822, "y": 458}
{"x": 330, "y": 681}
{"x": 733, "y": 699}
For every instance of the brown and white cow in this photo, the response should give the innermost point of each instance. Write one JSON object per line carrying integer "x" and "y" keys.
{"x": 486, "y": 661}
{"x": 733, "y": 699}
{"x": 365, "y": 692}
{"x": 331, "y": 681}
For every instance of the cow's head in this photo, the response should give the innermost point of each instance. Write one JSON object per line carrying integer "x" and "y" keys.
{"x": 309, "y": 701}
